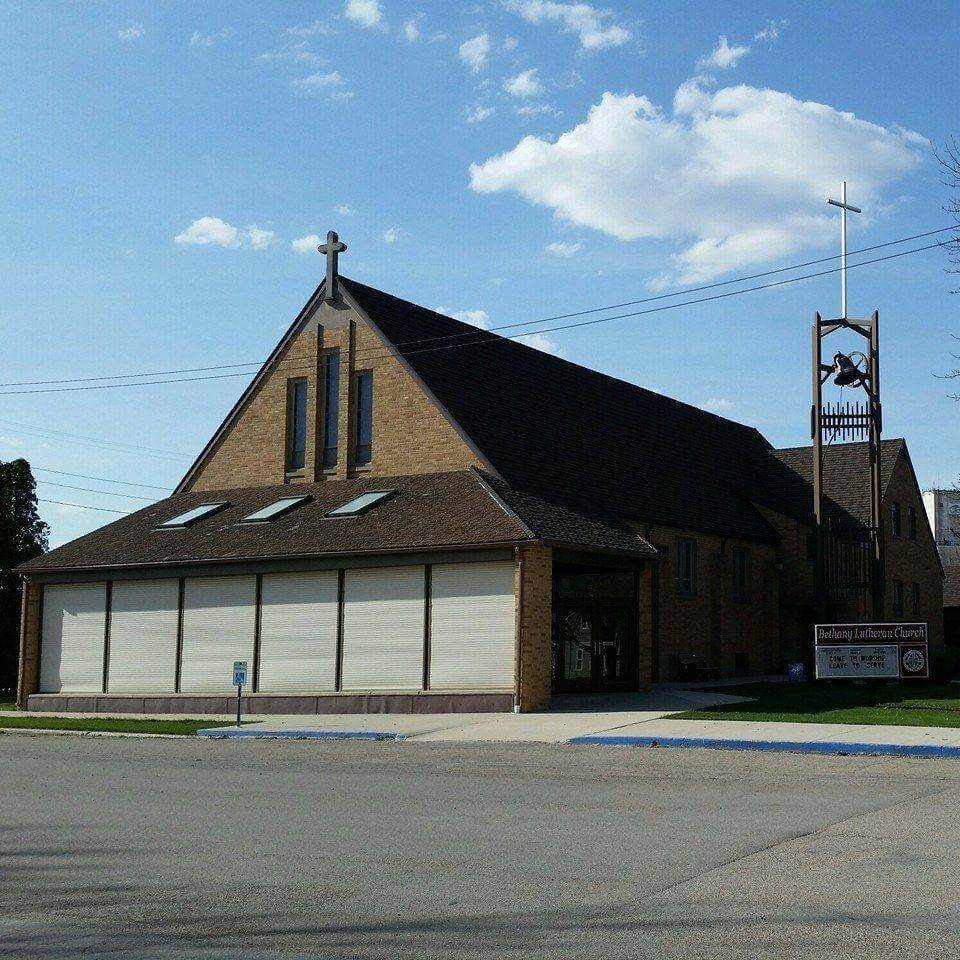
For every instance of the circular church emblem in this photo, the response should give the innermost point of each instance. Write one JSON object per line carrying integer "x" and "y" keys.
{"x": 914, "y": 661}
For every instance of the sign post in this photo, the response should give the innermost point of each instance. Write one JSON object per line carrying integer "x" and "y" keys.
{"x": 239, "y": 679}
{"x": 863, "y": 651}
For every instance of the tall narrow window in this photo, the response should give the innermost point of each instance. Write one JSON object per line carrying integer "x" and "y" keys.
{"x": 898, "y": 598}
{"x": 364, "y": 453}
{"x": 915, "y": 607}
{"x": 296, "y": 423}
{"x": 741, "y": 573}
{"x": 896, "y": 520}
{"x": 686, "y": 580}
{"x": 331, "y": 408}
{"x": 912, "y": 522}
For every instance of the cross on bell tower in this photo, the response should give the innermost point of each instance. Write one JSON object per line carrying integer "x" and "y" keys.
{"x": 331, "y": 250}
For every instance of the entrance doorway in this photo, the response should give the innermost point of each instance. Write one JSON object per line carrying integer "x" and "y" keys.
{"x": 595, "y": 632}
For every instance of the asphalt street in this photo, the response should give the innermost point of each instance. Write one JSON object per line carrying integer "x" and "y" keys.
{"x": 186, "y": 848}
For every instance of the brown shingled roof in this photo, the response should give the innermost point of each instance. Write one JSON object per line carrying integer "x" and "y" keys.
{"x": 429, "y": 511}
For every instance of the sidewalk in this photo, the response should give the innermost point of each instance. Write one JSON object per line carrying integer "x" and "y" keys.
{"x": 602, "y": 716}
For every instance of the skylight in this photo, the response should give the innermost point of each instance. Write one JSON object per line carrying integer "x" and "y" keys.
{"x": 274, "y": 510}
{"x": 361, "y": 504}
{"x": 193, "y": 515}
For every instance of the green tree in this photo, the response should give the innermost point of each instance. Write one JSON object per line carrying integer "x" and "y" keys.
{"x": 23, "y": 536}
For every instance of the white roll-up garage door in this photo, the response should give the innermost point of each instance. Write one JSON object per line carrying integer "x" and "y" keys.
{"x": 72, "y": 642}
{"x": 218, "y": 626}
{"x": 383, "y": 624}
{"x": 143, "y": 636}
{"x": 298, "y": 632}
{"x": 472, "y": 626}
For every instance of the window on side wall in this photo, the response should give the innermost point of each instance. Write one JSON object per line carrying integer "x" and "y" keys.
{"x": 898, "y": 598}
{"x": 896, "y": 520}
{"x": 296, "y": 424}
{"x": 331, "y": 408}
{"x": 740, "y": 557}
{"x": 686, "y": 569}
{"x": 912, "y": 522}
{"x": 364, "y": 445}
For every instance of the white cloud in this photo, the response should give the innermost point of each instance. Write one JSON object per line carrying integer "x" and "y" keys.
{"x": 723, "y": 56}
{"x": 391, "y": 235}
{"x": 307, "y": 244}
{"x": 411, "y": 30}
{"x": 364, "y": 13}
{"x": 133, "y": 32}
{"x": 717, "y": 405}
{"x": 478, "y": 113}
{"x": 318, "y": 82}
{"x": 525, "y": 84}
{"x": 316, "y": 29}
{"x": 476, "y": 318}
{"x": 591, "y": 24}
{"x": 474, "y": 52}
{"x": 481, "y": 319}
{"x": 536, "y": 109}
{"x": 736, "y": 177}
{"x": 560, "y": 249}
{"x": 209, "y": 230}
{"x": 344, "y": 210}
{"x": 258, "y": 238}
{"x": 771, "y": 32}
{"x": 198, "y": 39}
{"x": 510, "y": 44}
{"x": 297, "y": 52}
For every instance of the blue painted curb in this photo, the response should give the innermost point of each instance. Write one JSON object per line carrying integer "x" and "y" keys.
{"x": 246, "y": 733}
{"x": 792, "y": 746}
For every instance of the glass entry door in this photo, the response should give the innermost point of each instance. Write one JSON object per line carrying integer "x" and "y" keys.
{"x": 595, "y": 645}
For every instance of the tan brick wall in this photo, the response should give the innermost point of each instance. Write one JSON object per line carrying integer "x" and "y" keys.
{"x": 913, "y": 561}
{"x": 535, "y": 599}
{"x": 28, "y": 680}
{"x": 711, "y": 624}
{"x": 410, "y": 434}
{"x": 645, "y": 628}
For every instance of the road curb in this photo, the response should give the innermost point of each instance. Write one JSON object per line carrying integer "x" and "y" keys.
{"x": 246, "y": 733}
{"x": 836, "y": 747}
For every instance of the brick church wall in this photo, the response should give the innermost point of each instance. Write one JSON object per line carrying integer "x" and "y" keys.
{"x": 711, "y": 625}
{"x": 410, "y": 434}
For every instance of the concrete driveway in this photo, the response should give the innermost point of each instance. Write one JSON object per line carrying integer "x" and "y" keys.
{"x": 187, "y": 848}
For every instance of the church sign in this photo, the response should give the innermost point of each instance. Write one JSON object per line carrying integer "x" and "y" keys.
{"x": 871, "y": 650}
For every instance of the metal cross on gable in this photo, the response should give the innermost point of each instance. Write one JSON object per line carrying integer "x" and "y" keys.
{"x": 331, "y": 250}
{"x": 844, "y": 207}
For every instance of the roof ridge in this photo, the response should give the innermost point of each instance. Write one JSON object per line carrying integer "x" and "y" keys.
{"x": 492, "y": 335}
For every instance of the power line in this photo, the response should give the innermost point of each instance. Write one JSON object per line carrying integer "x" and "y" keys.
{"x": 82, "y": 506}
{"x": 483, "y": 336}
{"x": 114, "y": 445}
{"x": 111, "y": 386}
{"x": 467, "y": 333}
{"x": 109, "y": 493}
{"x": 86, "y": 476}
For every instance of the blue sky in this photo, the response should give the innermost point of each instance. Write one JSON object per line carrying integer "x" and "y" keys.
{"x": 505, "y": 160}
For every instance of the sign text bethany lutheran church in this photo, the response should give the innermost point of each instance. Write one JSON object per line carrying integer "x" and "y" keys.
{"x": 871, "y": 650}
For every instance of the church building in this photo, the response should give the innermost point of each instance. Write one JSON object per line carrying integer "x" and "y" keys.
{"x": 405, "y": 513}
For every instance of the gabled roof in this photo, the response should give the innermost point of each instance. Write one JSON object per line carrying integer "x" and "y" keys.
{"x": 573, "y": 436}
{"x": 846, "y": 476}
{"x": 453, "y": 510}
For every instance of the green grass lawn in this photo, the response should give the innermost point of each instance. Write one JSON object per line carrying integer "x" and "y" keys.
{"x": 917, "y": 704}
{"x": 186, "y": 728}
{"x": 7, "y": 705}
